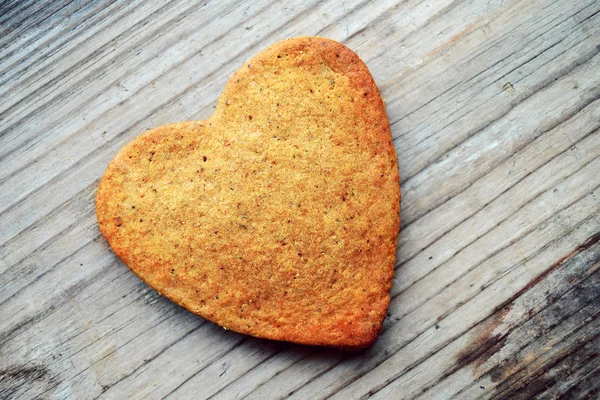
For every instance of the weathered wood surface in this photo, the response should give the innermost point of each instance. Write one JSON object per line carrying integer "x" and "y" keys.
{"x": 495, "y": 112}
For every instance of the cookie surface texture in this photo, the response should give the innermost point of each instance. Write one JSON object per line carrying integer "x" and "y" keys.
{"x": 278, "y": 216}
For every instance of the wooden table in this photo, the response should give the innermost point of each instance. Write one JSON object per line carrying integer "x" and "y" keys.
{"x": 495, "y": 112}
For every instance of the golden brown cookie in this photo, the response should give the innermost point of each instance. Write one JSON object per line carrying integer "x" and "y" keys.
{"x": 278, "y": 216}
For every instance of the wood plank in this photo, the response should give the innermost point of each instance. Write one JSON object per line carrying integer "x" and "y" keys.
{"x": 495, "y": 113}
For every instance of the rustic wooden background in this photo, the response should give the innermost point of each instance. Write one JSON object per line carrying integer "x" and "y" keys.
{"x": 495, "y": 112}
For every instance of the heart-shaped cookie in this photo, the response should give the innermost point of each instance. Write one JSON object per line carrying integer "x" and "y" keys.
{"x": 278, "y": 216}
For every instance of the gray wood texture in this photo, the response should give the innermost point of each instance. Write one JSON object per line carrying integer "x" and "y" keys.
{"x": 494, "y": 107}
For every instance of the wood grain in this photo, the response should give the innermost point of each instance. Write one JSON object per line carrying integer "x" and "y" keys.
{"x": 495, "y": 112}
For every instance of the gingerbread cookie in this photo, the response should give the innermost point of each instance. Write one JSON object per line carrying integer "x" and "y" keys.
{"x": 278, "y": 216}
